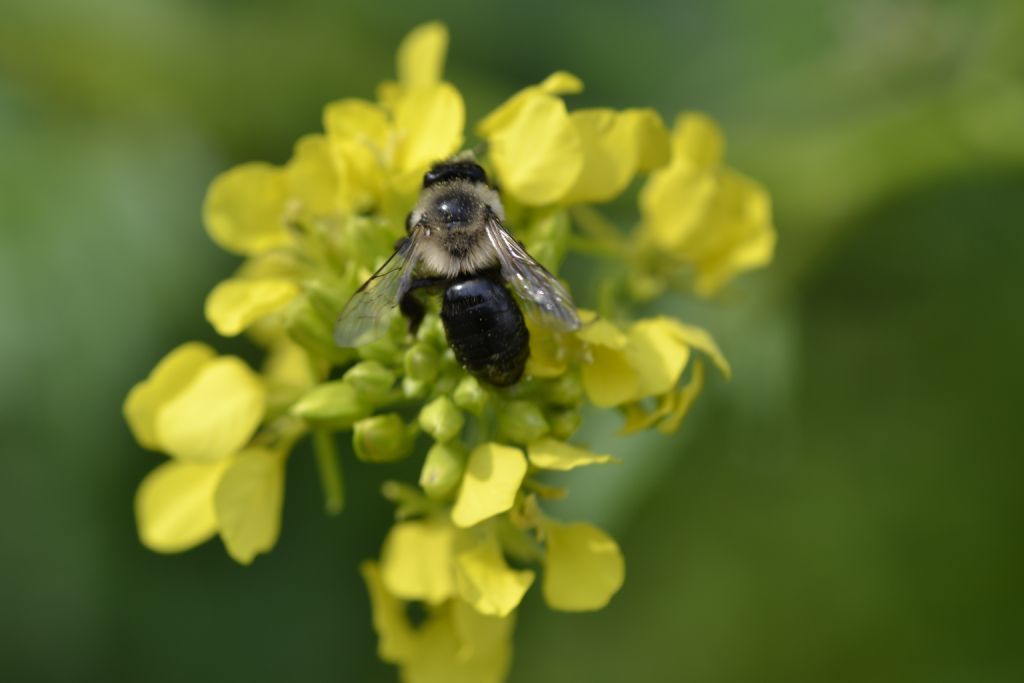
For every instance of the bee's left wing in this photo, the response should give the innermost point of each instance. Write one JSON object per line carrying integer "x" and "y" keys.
{"x": 544, "y": 298}
{"x": 366, "y": 316}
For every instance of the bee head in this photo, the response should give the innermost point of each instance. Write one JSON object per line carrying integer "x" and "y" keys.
{"x": 455, "y": 197}
{"x": 456, "y": 209}
{"x": 454, "y": 170}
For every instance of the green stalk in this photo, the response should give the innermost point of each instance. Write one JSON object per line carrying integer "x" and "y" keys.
{"x": 329, "y": 467}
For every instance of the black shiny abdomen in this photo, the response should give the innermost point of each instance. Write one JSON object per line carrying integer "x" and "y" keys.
{"x": 485, "y": 329}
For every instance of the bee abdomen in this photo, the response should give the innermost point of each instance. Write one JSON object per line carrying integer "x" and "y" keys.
{"x": 485, "y": 329}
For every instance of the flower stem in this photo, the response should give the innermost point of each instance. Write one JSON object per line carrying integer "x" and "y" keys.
{"x": 329, "y": 467}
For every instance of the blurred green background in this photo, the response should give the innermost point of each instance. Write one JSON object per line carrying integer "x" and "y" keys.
{"x": 849, "y": 508}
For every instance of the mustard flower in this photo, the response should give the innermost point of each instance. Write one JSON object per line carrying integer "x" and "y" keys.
{"x": 311, "y": 230}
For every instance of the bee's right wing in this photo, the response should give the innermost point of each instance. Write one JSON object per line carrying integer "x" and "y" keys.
{"x": 544, "y": 298}
{"x": 366, "y": 316}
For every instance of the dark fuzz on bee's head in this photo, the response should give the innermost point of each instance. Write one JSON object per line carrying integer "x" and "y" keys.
{"x": 454, "y": 170}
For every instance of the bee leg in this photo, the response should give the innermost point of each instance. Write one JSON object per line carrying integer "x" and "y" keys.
{"x": 411, "y": 307}
{"x": 413, "y": 310}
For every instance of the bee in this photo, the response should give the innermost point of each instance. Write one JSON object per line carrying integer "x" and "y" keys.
{"x": 456, "y": 245}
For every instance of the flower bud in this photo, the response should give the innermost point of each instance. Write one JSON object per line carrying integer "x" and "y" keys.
{"x": 549, "y": 237}
{"x": 381, "y": 438}
{"x": 567, "y": 390}
{"x": 470, "y": 396}
{"x": 421, "y": 363}
{"x": 431, "y": 332}
{"x": 371, "y": 380}
{"x": 564, "y": 423}
{"x": 413, "y": 388}
{"x": 336, "y": 404}
{"x": 445, "y": 384}
{"x": 521, "y": 422}
{"x": 442, "y": 469}
{"x": 310, "y": 329}
{"x": 441, "y": 419}
{"x": 382, "y": 350}
{"x": 328, "y": 294}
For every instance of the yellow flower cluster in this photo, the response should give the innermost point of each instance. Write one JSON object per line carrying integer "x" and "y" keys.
{"x": 313, "y": 229}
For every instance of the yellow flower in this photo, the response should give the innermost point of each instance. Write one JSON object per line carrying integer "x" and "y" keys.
{"x": 196, "y": 405}
{"x": 493, "y": 476}
{"x": 703, "y": 213}
{"x": 456, "y": 644}
{"x": 544, "y": 154}
{"x": 433, "y": 561}
{"x": 625, "y": 368}
{"x": 471, "y": 539}
{"x": 182, "y": 504}
{"x": 202, "y": 410}
{"x": 385, "y": 147}
{"x": 174, "y": 505}
{"x": 583, "y": 568}
{"x": 248, "y": 502}
{"x": 244, "y": 209}
{"x": 551, "y": 454}
{"x": 237, "y": 303}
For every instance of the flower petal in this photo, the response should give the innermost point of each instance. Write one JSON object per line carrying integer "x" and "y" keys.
{"x": 248, "y": 502}
{"x": 702, "y": 213}
{"x": 442, "y": 655}
{"x": 359, "y": 121}
{"x": 558, "y": 83}
{"x": 698, "y": 140}
{"x": 609, "y": 378}
{"x": 416, "y": 561}
{"x": 486, "y": 582}
{"x": 682, "y": 401}
{"x": 421, "y": 55}
{"x": 551, "y": 454}
{"x": 674, "y": 202}
{"x": 171, "y": 375}
{"x": 638, "y": 418}
{"x": 652, "y": 138}
{"x": 548, "y": 356}
{"x": 215, "y": 414}
{"x": 493, "y": 476}
{"x": 359, "y": 135}
{"x": 395, "y": 637}
{"x": 583, "y": 569}
{"x": 615, "y": 146}
{"x": 603, "y": 333}
{"x": 561, "y": 83}
{"x": 430, "y": 121}
{"x": 535, "y": 148}
{"x": 480, "y": 636}
{"x": 701, "y": 339}
{"x": 657, "y": 354}
{"x": 244, "y": 209}
{"x": 311, "y": 177}
{"x": 289, "y": 373}
{"x": 236, "y": 303}
{"x": 739, "y": 237}
{"x": 174, "y": 505}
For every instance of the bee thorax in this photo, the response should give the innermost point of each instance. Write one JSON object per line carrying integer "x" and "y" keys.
{"x": 455, "y": 252}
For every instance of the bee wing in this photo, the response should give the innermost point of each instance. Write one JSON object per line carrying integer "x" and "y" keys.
{"x": 366, "y": 316}
{"x": 544, "y": 298}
